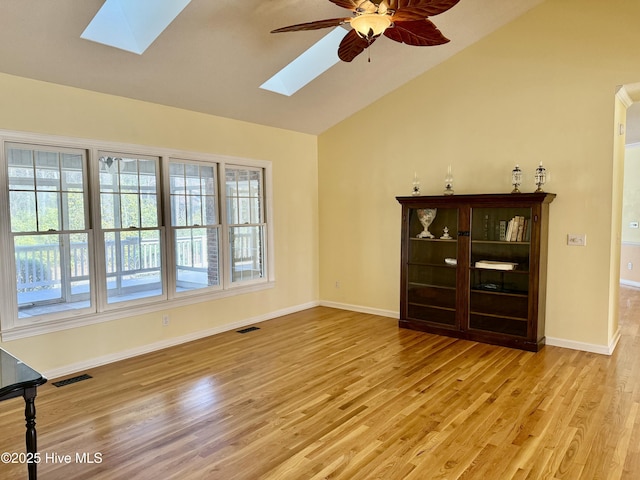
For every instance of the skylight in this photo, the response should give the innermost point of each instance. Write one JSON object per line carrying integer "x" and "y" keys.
{"x": 311, "y": 64}
{"x": 132, "y": 25}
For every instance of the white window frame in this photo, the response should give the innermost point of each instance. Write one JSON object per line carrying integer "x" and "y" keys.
{"x": 171, "y": 230}
{"x": 11, "y": 301}
{"x": 12, "y": 329}
{"x": 228, "y": 225}
{"x": 100, "y": 255}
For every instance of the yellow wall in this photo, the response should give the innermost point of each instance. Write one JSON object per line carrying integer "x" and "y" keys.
{"x": 51, "y": 109}
{"x": 631, "y": 208}
{"x": 631, "y": 213}
{"x": 542, "y": 88}
{"x": 630, "y": 253}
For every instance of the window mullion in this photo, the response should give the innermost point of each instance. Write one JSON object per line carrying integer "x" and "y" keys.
{"x": 168, "y": 232}
{"x": 95, "y": 216}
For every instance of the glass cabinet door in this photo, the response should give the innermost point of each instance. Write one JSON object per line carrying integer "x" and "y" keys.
{"x": 432, "y": 265}
{"x": 499, "y": 270}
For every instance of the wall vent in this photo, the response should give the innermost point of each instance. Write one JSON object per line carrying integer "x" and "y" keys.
{"x": 248, "y": 329}
{"x": 71, "y": 380}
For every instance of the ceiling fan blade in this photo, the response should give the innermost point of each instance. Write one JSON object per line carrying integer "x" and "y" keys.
{"x": 426, "y": 8}
{"x": 422, "y": 33}
{"x": 331, "y": 22}
{"x": 352, "y": 45}
{"x": 408, "y": 14}
{"x": 348, "y": 4}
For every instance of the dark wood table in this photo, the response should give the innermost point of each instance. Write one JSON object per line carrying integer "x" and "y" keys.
{"x": 18, "y": 379}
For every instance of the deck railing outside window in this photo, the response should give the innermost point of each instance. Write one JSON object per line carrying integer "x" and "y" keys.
{"x": 38, "y": 271}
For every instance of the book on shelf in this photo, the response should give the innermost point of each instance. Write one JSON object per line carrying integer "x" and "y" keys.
{"x": 496, "y": 265}
{"x": 517, "y": 230}
{"x": 520, "y": 231}
{"x": 514, "y": 229}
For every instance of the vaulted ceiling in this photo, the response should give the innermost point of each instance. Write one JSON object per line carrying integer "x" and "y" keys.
{"x": 213, "y": 57}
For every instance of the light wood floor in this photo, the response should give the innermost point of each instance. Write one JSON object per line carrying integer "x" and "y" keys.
{"x": 333, "y": 394}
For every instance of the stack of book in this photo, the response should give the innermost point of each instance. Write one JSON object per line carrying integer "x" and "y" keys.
{"x": 494, "y": 265}
{"x": 518, "y": 229}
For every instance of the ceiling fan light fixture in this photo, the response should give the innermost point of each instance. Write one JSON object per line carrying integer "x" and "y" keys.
{"x": 370, "y": 25}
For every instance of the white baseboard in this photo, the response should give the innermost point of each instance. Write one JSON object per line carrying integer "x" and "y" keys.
{"x": 170, "y": 342}
{"x": 360, "y": 309}
{"x": 114, "y": 357}
{"x": 630, "y": 283}
{"x": 586, "y": 347}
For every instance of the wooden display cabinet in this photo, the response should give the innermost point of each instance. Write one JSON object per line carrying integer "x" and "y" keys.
{"x": 484, "y": 281}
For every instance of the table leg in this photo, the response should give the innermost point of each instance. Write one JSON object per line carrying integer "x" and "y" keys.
{"x": 30, "y": 437}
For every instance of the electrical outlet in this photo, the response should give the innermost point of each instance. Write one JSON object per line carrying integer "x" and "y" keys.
{"x": 577, "y": 239}
{"x": 337, "y": 283}
{"x": 165, "y": 320}
{"x": 630, "y": 266}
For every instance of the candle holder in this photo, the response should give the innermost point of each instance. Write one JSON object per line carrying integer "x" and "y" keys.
{"x": 516, "y": 179}
{"x": 540, "y": 177}
{"x": 448, "y": 182}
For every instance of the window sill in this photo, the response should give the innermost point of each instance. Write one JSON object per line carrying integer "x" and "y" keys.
{"x": 25, "y": 331}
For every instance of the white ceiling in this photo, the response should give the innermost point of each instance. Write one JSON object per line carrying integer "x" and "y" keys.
{"x": 216, "y": 54}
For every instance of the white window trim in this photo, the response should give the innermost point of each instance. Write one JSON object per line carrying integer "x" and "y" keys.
{"x": 101, "y": 280}
{"x": 228, "y": 281}
{"x": 11, "y": 331}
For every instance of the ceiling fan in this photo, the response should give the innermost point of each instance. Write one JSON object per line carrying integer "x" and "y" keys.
{"x": 404, "y": 21}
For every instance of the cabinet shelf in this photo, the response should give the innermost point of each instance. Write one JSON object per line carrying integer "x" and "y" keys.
{"x": 437, "y": 307}
{"x": 430, "y": 285}
{"x": 439, "y": 240}
{"x": 504, "y": 307}
{"x": 516, "y": 271}
{"x": 499, "y": 242}
{"x": 499, "y": 293}
{"x": 505, "y": 317}
{"x": 428, "y": 264}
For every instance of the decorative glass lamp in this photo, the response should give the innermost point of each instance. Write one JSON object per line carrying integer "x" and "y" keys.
{"x": 540, "y": 177}
{"x": 448, "y": 182}
{"x": 516, "y": 179}
{"x": 416, "y": 185}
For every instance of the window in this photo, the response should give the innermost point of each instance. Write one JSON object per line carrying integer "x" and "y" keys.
{"x": 50, "y": 238}
{"x": 245, "y": 223}
{"x": 95, "y": 231}
{"x": 129, "y": 220}
{"x": 196, "y": 228}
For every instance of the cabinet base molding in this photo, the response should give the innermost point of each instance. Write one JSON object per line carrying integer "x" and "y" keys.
{"x": 482, "y": 337}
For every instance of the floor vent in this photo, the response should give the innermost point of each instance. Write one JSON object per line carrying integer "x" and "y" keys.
{"x": 248, "y": 329}
{"x": 71, "y": 380}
